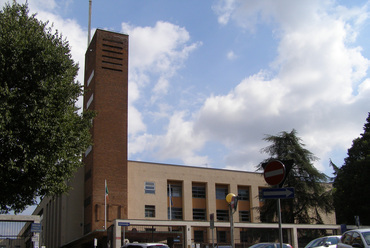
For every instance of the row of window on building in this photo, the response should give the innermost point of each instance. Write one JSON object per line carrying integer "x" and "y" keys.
{"x": 198, "y": 191}
{"x": 199, "y": 214}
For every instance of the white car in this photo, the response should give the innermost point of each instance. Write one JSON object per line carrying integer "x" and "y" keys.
{"x": 324, "y": 242}
{"x": 270, "y": 245}
{"x": 358, "y": 238}
{"x": 145, "y": 245}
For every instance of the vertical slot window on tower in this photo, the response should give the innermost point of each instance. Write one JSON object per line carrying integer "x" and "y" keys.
{"x": 89, "y": 101}
{"x": 90, "y": 78}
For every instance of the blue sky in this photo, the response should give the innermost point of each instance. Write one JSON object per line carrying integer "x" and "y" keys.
{"x": 209, "y": 79}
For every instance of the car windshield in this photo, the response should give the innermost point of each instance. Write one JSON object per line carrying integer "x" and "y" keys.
{"x": 366, "y": 236}
{"x": 263, "y": 245}
{"x": 151, "y": 246}
{"x": 284, "y": 246}
{"x": 269, "y": 245}
{"x": 333, "y": 240}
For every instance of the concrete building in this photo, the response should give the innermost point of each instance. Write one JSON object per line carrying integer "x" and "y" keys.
{"x": 147, "y": 201}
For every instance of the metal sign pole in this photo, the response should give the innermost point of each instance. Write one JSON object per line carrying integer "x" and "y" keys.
{"x": 231, "y": 227}
{"x": 280, "y": 228}
{"x": 213, "y": 240}
{"x": 212, "y": 226}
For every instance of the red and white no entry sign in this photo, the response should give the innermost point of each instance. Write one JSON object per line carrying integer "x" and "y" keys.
{"x": 274, "y": 172}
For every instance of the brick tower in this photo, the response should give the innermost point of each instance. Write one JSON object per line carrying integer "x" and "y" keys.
{"x": 106, "y": 83}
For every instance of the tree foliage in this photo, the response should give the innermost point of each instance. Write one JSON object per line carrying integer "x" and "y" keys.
{"x": 42, "y": 136}
{"x": 351, "y": 184}
{"x": 312, "y": 194}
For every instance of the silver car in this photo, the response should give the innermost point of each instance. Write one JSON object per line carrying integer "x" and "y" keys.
{"x": 358, "y": 238}
{"x": 327, "y": 241}
{"x": 270, "y": 245}
{"x": 145, "y": 245}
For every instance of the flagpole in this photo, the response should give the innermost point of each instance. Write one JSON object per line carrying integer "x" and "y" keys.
{"x": 105, "y": 205}
{"x": 170, "y": 202}
{"x": 89, "y": 25}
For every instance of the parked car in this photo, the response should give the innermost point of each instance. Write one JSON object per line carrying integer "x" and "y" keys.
{"x": 270, "y": 245}
{"x": 323, "y": 242}
{"x": 358, "y": 238}
{"x": 144, "y": 245}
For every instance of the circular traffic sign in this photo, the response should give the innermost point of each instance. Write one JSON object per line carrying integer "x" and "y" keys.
{"x": 274, "y": 172}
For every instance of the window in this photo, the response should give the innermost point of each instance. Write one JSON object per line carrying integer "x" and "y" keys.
{"x": 243, "y": 236}
{"x": 221, "y": 237}
{"x": 199, "y": 192}
{"x": 244, "y": 216}
{"x": 243, "y": 194}
{"x": 260, "y": 195}
{"x": 221, "y": 193}
{"x": 198, "y": 236}
{"x": 199, "y": 214}
{"x": 149, "y": 211}
{"x": 149, "y": 188}
{"x": 366, "y": 236}
{"x": 333, "y": 240}
{"x": 356, "y": 239}
{"x": 176, "y": 190}
{"x": 222, "y": 215}
{"x": 89, "y": 101}
{"x": 88, "y": 151}
{"x": 176, "y": 213}
{"x": 346, "y": 238}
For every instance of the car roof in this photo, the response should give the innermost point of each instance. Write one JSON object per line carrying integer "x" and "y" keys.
{"x": 360, "y": 230}
{"x": 145, "y": 244}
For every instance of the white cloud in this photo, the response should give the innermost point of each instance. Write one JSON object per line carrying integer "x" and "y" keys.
{"x": 231, "y": 55}
{"x": 315, "y": 87}
{"x": 156, "y": 53}
{"x": 181, "y": 142}
{"x": 224, "y": 9}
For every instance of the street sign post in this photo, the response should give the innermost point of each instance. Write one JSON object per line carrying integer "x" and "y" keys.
{"x": 274, "y": 172}
{"x": 278, "y": 193}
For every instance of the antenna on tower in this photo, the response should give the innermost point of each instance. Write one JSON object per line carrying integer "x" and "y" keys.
{"x": 89, "y": 26}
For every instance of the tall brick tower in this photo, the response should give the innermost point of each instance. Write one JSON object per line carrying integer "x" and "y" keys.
{"x": 106, "y": 83}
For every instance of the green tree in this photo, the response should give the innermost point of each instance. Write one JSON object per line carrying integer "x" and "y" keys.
{"x": 312, "y": 194}
{"x": 351, "y": 183}
{"x": 42, "y": 136}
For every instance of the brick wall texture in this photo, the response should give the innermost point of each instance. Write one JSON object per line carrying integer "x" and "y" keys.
{"x": 106, "y": 83}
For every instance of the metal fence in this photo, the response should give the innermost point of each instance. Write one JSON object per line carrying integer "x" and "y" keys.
{"x": 15, "y": 231}
{"x": 11, "y": 234}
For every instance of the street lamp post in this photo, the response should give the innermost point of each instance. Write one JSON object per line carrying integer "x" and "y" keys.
{"x": 232, "y": 200}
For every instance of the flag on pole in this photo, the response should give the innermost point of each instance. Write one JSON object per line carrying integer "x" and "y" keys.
{"x": 170, "y": 199}
{"x": 106, "y": 191}
{"x": 171, "y": 202}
